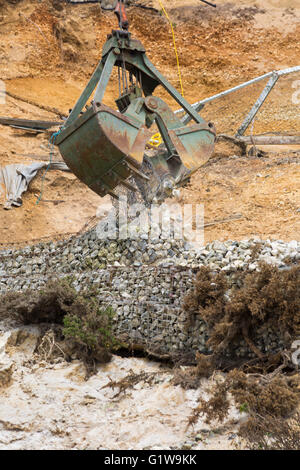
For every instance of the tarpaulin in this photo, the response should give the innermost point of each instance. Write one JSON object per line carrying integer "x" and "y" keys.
{"x": 15, "y": 179}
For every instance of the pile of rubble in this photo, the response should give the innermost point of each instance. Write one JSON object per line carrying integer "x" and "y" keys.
{"x": 87, "y": 252}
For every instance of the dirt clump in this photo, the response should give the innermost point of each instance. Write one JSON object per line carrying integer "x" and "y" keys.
{"x": 66, "y": 33}
{"x": 9, "y": 2}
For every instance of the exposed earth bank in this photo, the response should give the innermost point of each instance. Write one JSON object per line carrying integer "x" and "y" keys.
{"x": 49, "y": 51}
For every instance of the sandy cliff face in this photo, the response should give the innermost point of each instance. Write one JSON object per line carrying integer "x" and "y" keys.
{"x": 50, "y": 406}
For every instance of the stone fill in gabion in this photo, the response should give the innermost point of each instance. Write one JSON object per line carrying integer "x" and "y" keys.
{"x": 144, "y": 280}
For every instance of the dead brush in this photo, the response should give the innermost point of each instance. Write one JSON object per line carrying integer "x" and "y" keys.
{"x": 272, "y": 433}
{"x": 49, "y": 347}
{"x": 47, "y": 305}
{"x": 262, "y": 397}
{"x": 80, "y": 328}
{"x": 266, "y": 387}
{"x": 128, "y": 382}
{"x": 260, "y": 302}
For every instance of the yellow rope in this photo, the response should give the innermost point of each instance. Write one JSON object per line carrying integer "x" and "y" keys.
{"x": 174, "y": 42}
{"x": 156, "y": 139}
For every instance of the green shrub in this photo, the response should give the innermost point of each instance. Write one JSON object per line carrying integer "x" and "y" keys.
{"x": 90, "y": 331}
{"x": 85, "y": 329}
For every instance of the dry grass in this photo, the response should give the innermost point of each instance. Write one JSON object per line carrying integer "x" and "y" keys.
{"x": 266, "y": 388}
{"x": 268, "y": 300}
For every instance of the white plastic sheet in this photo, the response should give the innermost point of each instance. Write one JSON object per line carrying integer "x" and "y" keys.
{"x": 15, "y": 179}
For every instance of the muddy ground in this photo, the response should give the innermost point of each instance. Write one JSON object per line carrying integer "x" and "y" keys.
{"x": 49, "y": 50}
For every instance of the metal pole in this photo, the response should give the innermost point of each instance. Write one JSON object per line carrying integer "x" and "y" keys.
{"x": 105, "y": 76}
{"x": 289, "y": 70}
{"x": 258, "y": 104}
{"x": 200, "y": 104}
{"x": 226, "y": 92}
{"x": 270, "y": 139}
{"x": 85, "y": 95}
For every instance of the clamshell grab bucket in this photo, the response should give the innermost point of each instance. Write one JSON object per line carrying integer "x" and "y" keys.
{"x": 103, "y": 147}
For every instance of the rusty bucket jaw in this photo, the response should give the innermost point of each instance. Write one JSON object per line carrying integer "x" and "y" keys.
{"x": 104, "y": 147}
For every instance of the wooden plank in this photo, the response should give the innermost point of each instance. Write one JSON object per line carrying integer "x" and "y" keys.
{"x": 28, "y": 129}
{"x": 270, "y": 139}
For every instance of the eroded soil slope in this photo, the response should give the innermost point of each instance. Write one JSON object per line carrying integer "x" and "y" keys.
{"x": 49, "y": 50}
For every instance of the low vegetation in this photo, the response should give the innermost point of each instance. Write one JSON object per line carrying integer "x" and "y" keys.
{"x": 266, "y": 387}
{"x": 258, "y": 302}
{"x": 82, "y": 328}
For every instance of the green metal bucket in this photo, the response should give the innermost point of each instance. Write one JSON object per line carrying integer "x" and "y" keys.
{"x": 102, "y": 147}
